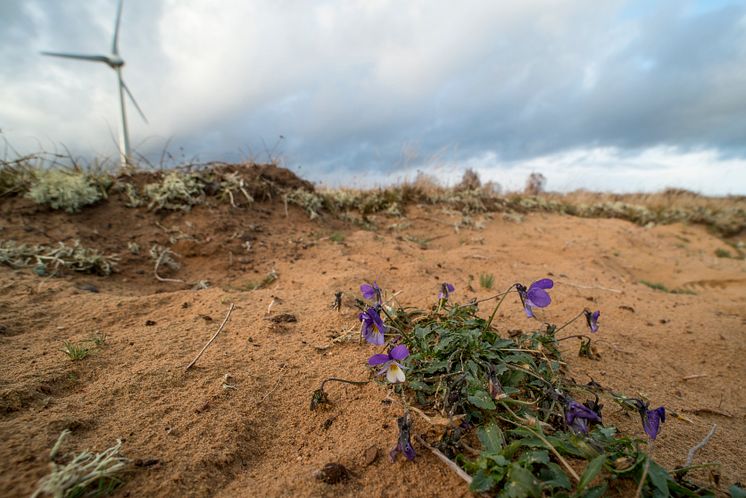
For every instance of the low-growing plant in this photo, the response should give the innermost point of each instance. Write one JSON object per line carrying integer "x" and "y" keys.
{"x": 486, "y": 280}
{"x": 86, "y": 474}
{"x": 99, "y": 339}
{"x": 75, "y": 352}
{"x": 16, "y": 177}
{"x": 723, "y": 253}
{"x": 67, "y": 190}
{"x": 51, "y": 259}
{"x": 268, "y": 279}
{"x": 537, "y": 432}
{"x": 337, "y": 237}
{"x": 310, "y": 201}
{"x": 176, "y": 190}
{"x": 655, "y": 285}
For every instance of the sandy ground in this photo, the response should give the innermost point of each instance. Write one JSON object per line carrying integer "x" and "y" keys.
{"x": 200, "y": 433}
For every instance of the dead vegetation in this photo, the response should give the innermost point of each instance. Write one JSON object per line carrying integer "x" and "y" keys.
{"x": 46, "y": 260}
{"x": 241, "y": 186}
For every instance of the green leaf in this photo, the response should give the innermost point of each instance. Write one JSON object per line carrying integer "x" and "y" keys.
{"x": 533, "y": 457}
{"x": 519, "y": 358}
{"x": 435, "y": 366}
{"x": 497, "y": 458}
{"x": 422, "y": 332}
{"x": 553, "y": 476}
{"x": 591, "y": 471}
{"x": 482, "y": 482}
{"x": 420, "y": 386}
{"x": 522, "y": 483}
{"x": 482, "y": 400}
{"x": 445, "y": 342}
{"x": 491, "y": 437}
{"x": 595, "y": 491}
{"x": 659, "y": 478}
{"x": 737, "y": 491}
{"x": 680, "y": 491}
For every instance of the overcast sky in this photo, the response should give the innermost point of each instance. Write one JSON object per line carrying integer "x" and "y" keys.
{"x": 611, "y": 95}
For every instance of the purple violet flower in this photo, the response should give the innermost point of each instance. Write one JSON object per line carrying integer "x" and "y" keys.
{"x": 372, "y": 328}
{"x": 445, "y": 290}
{"x": 390, "y": 362}
{"x": 535, "y": 296}
{"x": 371, "y": 292}
{"x": 403, "y": 444}
{"x": 592, "y": 319}
{"x": 651, "y": 419}
{"x": 579, "y": 416}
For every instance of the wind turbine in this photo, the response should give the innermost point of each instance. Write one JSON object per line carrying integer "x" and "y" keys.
{"x": 114, "y": 61}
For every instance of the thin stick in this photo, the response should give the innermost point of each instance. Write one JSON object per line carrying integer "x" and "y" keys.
{"x": 712, "y": 411}
{"x": 279, "y": 378}
{"x": 230, "y": 310}
{"x": 647, "y": 468}
{"x": 701, "y": 445}
{"x": 549, "y": 445}
{"x": 450, "y": 463}
{"x": 158, "y": 263}
{"x": 695, "y": 376}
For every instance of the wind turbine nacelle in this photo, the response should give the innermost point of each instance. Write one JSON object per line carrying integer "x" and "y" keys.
{"x": 115, "y": 61}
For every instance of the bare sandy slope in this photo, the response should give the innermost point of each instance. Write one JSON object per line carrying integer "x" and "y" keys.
{"x": 191, "y": 436}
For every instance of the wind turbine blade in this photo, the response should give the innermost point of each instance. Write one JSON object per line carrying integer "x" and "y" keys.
{"x": 115, "y": 43}
{"x": 82, "y": 57}
{"x": 132, "y": 98}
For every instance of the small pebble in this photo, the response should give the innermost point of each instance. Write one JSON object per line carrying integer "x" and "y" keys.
{"x": 371, "y": 454}
{"x": 332, "y": 473}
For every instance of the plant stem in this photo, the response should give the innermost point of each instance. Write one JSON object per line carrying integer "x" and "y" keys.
{"x": 581, "y": 336}
{"x": 406, "y": 337}
{"x": 491, "y": 297}
{"x": 569, "y": 322}
{"x": 551, "y": 448}
{"x": 336, "y": 379}
{"x": 651, "y": 447}
{"x": 494, "y": 312}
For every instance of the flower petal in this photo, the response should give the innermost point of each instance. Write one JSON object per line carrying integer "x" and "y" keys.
{"x": 378, "y": 359}
{"x": 528, "y": 310}
{"x": 368, "y": 291}
{"x": 544, "y": 283}
{"x": 651, "y": 420}
{"x": 377, "y": 320}
{"x": 409, "y": 451}
{"x": 399, "y": 352}
{"x": 538, "y": 297}
{"x": 375, "y": 337}
{"x": 394, "y": 373}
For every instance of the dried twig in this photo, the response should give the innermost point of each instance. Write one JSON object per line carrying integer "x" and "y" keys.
{"x": 711, "y": 411}
{"x": 158, "y": 262}
{"x": 690, "y": 455}
{"x": 230, "y": 310}
{"x": 279, "y": 378}
{"x": 695, "y": 376}
{"x": 437, "y": 420}
{"x": 450, "y": 463}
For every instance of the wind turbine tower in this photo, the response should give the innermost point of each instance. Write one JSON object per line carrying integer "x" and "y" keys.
{"x": 114, "y": 61}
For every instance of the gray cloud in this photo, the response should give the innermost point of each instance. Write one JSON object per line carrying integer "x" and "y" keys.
{"x": 380, "y": 86}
